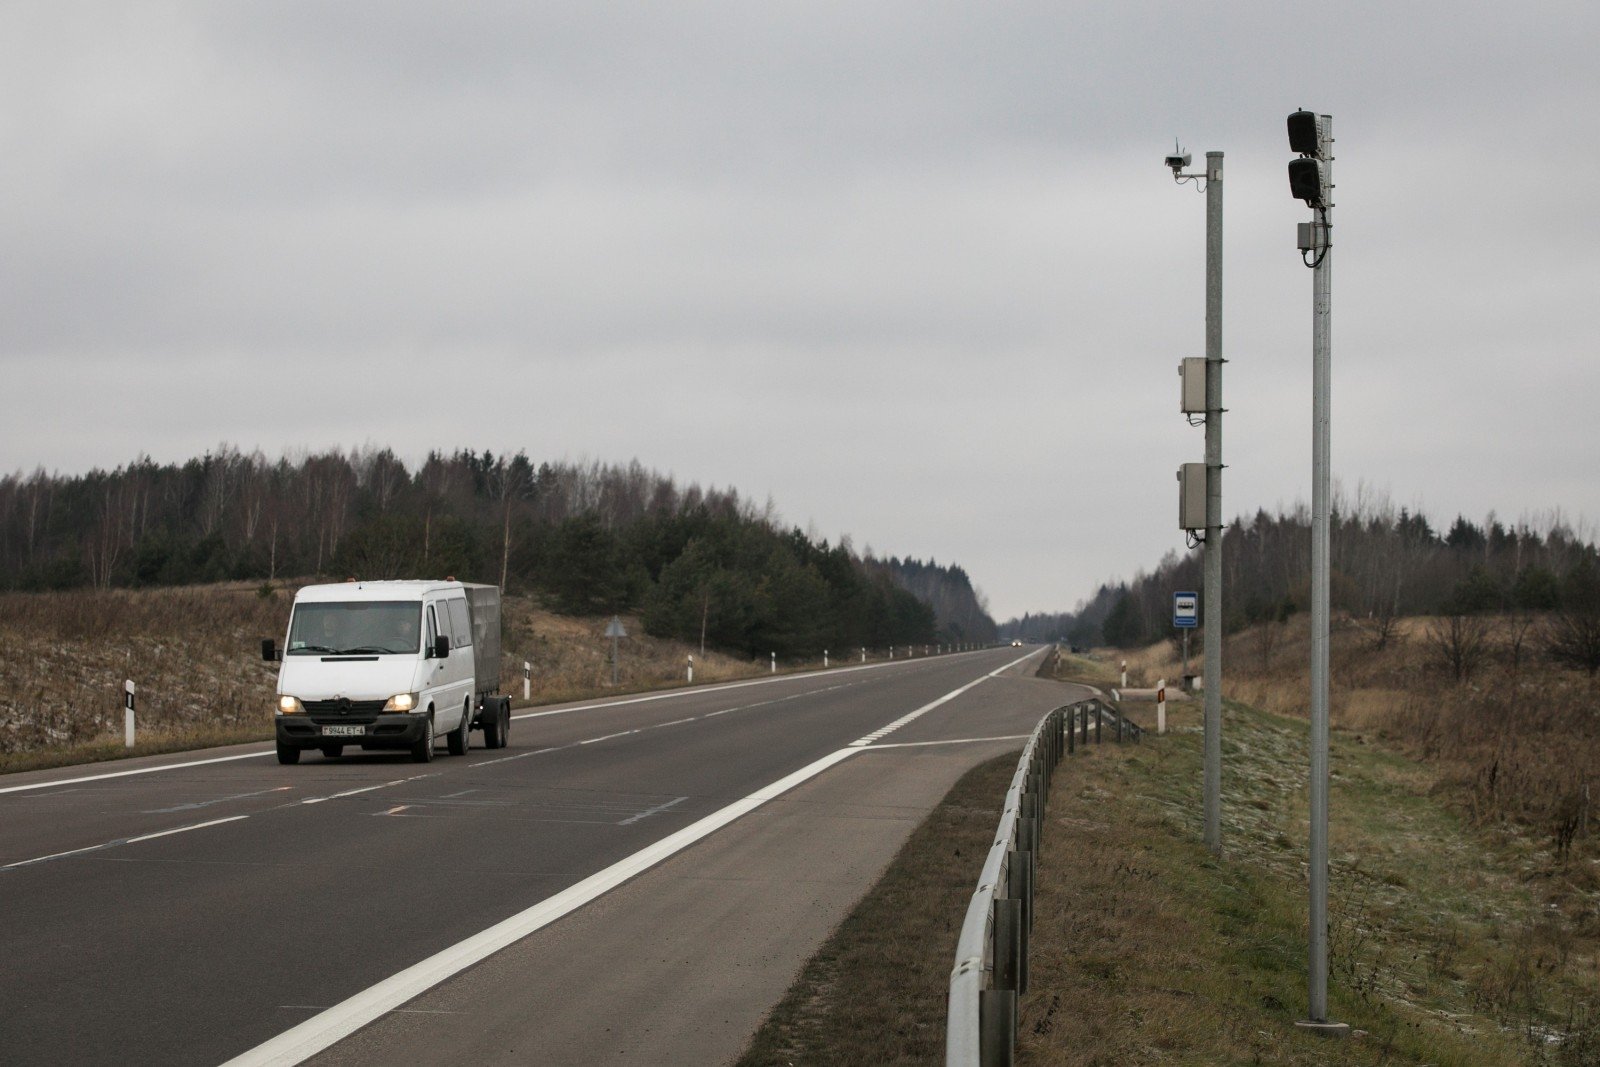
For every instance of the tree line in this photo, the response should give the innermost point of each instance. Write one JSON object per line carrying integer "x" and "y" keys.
{"x": 587, "y": 538}
{"x": 1385, "y": 563}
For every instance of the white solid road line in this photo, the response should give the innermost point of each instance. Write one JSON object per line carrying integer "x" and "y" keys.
{"x": 141, "y": 770}
{"x": 319, "y": 1032}
{"x": 952, "y": 741}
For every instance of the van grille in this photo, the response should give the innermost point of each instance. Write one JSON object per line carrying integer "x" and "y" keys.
{"x": 343, "y": 710}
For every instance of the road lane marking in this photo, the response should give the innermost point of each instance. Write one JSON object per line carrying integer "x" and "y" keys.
{"x": 121, "y": 841}
{"x": 317, "y": 1033}
{"x": 697, "y": 690}
{"x": 193, "y": 805}
{"x": 879, "y": 734}
{"x": 649, "y": 727}
{"x": 364, "y": 789}
{"x": 52, "y": 856}
{"x": 953, "y": 741}
{"x": 659, "y": 808}
{"x": 301, "y": 1042}
{"x": 124, "y": 774}
{"x": 183, "y": 829}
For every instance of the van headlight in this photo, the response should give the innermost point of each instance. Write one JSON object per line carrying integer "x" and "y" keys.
{"x": 288, "y": 705}
{"x": 402, "y": 702}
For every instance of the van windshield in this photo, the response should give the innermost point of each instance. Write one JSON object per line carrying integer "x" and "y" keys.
{"x": 372, "y": 627}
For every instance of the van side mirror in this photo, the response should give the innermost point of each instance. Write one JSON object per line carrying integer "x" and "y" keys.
{"x": 441, "y": 647}
{"x": 269, "y": 650}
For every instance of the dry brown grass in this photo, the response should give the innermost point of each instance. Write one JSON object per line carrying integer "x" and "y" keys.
{"x": 1516, "y": 744}
{"x": 1147, "y": 950}
{"x": 194, "y": 653}
{"x": 571, "y": 656}
{"x": 1473, "y": 795}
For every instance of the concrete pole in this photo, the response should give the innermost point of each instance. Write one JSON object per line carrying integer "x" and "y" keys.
{"x": 1321, "y": 478}
{"x": 1212, "y": 596}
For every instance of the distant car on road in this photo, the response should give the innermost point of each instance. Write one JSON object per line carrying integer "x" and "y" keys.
{"x": 1016, "y": 644}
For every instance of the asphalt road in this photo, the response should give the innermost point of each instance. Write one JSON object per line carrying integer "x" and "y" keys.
{"x": 633, "y": 880}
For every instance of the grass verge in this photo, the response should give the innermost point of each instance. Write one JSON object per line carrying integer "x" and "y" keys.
{"x": 875, "y": 992}
{"x": 1148, "y": 950}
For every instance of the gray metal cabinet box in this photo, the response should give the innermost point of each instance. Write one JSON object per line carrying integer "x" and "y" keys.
{"x": 1192, "y": 373}
{"x": 1192, "y": 496}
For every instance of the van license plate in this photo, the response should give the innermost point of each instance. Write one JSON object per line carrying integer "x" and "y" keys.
{"x": 343, "y": 731}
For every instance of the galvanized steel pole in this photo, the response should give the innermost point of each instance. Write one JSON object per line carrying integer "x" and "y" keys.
{"x": 1212, "y": 600}
{"x": 1321, "y": 366}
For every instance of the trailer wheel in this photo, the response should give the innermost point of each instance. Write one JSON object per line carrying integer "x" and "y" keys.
{"x": 491, "y": 727}
{"x": 288, "y": 754}
{"x": 461, "y": 737}
{"x": 505, "y": 721}
{"x": 422, "y": 751}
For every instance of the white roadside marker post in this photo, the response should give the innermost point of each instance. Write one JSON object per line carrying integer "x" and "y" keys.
{"x": 863, "y": 653}
{"x": 774, "y": 663}
{"x": 527, "y": 680}
{"x": 127, "y": 713}
{"x": 824, "y": 657}
{"x": 691, "y": 667}
{"x": 1124, "y": 674}
{"x": 1161, "y": 706}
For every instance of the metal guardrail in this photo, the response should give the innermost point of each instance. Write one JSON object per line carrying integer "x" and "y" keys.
{"x": 991, "y": 969}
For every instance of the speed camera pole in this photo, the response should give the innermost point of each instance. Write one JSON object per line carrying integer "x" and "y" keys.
{"x": 1311, "y": 180}
{"x": 1212, "y": 520}
{"x": 1211, "y": 600}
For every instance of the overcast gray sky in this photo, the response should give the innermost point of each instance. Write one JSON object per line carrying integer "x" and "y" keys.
{"x": 913, "y": 269}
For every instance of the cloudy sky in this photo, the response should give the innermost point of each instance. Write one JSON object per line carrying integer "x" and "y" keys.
{"x": 914, "y": 270}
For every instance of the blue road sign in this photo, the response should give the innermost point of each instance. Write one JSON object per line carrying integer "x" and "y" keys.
{"x": 1185, "y": 610}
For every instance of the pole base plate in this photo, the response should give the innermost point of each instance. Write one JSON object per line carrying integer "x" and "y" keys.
{"x": 1324, "y": 1029}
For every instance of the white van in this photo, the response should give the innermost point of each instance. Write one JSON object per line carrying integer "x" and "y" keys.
{"x": 390, "y": 665}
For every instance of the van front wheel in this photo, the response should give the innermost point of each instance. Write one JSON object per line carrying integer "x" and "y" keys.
{"x": 288, "y": 754}
{"x": 459, "y": 738}
{"x": 422, "y": 751}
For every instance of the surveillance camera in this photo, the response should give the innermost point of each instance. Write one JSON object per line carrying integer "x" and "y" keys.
{"x": 1177, "y": 163}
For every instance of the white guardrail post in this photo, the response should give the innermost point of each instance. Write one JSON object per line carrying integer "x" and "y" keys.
{"x": 127, "y": 713}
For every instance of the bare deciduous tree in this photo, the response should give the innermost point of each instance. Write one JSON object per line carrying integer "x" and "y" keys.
{"x": 1459, "y": 642}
